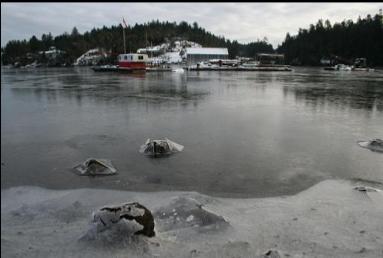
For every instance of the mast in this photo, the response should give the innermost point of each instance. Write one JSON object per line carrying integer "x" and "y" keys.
{"x": 123, "y": 34}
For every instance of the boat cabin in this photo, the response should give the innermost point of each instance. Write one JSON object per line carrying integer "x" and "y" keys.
{"x": 270, "y": 59}
{"x": 132, "y": 61}
{"x": 360, "y": 62}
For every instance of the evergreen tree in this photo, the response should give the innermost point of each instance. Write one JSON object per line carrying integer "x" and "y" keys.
{"x": 110, "y": 38}
{"x": 346, "y": 40}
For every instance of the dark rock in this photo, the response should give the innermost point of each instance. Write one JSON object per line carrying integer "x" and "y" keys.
{"x": 108, "y": 216}
{"x": 271, "y": 254}
{"x": 362, "y": 250}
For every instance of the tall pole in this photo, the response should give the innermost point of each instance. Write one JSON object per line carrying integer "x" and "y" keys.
{"x": 123, "y": 34}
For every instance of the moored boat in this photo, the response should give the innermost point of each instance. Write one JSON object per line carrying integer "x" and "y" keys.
{"x": 126, "y": 63}
{"x": 360, "y": 65}
{"x": 132, "y": 62}
{"x": 339, "y": 67}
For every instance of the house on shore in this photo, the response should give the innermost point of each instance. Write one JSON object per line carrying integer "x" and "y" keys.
{"x": 52, "y": 53}
{"x": 195, "y": 55}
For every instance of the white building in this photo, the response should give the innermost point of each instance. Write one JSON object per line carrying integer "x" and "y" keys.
{"x": 52, "y": 52}
{"x": 154, "y": 50}
{"x": 195, "y": 55}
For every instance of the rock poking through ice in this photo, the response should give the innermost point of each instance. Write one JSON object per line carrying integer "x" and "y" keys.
{"x": 373, "y": 194}
{"x": 94, "y": 167}
{"x": 366, "y": 189}
{"x": 271, "y": 254}
{"x": 184, "y": 212}
{"x": 373, "y": 145}
{"x": 110, "y": 217}
{"x": 160, "y": 147}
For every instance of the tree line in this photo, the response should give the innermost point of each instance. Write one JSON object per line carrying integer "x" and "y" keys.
{"x": 344, "y": 41}
{"x": 137, "y": 36}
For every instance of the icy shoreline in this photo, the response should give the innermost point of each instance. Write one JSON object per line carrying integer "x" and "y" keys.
{"x": 330, "y": 219}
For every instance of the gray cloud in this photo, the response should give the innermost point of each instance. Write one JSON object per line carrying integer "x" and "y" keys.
{"x": 244, "y": 22}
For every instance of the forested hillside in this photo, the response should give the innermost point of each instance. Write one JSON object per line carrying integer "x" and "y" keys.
{"x": 137, "y": 36}
{"x": 347, "y": 40}
{"x": 344, "y": 41}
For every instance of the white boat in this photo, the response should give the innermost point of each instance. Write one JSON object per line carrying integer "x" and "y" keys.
{"x": 178, "y": 70}
{"x": 343, "y": 67}
{"x": 339, "y": 67}
{"x": 364, "y": 69}
{"x": 360, "y": 65}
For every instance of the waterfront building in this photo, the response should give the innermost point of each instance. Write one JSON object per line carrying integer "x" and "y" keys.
{"x": 195, "y": 55}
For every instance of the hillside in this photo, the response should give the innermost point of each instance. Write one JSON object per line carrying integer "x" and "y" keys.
{"x": 346, "y": 40}
{"x": 137, "y": 36}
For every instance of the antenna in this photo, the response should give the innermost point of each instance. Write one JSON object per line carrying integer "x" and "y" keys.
{"x": 123, "y": 34}
{"x": 123, "y": 29}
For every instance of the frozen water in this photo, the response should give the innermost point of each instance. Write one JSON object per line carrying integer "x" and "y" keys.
{"x": 324, "y": 221}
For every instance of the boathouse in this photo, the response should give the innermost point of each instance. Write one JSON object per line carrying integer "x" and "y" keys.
{"x": 195, "y": 55}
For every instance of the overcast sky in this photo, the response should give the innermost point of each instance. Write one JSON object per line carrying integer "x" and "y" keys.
{"x": 244, "y": 22}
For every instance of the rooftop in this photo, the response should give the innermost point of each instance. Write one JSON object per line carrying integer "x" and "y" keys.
{"x": 271, "y": 55}
{"x": 207, "y": 51}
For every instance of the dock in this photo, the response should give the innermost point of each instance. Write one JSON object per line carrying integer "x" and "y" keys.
{"x": 240, "y": 69}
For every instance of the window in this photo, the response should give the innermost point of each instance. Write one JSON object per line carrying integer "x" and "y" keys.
{"x": 126, "y": 57}
{"x": 140, "y": 57}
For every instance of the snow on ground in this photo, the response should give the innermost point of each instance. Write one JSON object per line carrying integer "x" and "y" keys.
{"x": 330, "y": 219}
{"x": 172, "y": 57}
{"x": 172, "y": 53}
{"x": 92, "y": 56}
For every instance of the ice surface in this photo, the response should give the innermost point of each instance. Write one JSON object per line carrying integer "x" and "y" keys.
{"x": 330, "y": 219}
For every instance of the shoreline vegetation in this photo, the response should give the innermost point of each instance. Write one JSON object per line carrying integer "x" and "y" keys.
{"x": 330, "y": 219}
{"x": 340, "y": 42}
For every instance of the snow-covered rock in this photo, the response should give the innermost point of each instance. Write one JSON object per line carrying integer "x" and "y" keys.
{"x": 91, "y": 57}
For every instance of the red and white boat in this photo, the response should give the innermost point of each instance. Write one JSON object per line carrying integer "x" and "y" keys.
{"x": 132, "y": 62}
{"x": 126, "y": 62}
